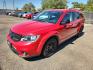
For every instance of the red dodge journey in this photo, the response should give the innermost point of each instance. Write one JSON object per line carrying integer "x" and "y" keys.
{"x": 43, "y": 34}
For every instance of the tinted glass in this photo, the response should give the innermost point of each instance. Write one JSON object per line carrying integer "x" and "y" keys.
{"x": 67, "y": 18}
{"x": 76, "y": 15}
{"x": 48, "y": 16}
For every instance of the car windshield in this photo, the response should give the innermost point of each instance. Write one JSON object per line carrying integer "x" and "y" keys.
{"x": 48, "y": 16}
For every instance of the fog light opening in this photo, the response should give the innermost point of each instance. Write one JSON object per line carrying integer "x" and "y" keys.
{"x": 25, "y": 53}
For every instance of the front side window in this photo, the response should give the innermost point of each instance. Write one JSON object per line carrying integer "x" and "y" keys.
{"x": 48, "y": 16}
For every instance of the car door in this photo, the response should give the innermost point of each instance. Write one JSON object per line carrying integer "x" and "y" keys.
{"x": 66, "y": 27}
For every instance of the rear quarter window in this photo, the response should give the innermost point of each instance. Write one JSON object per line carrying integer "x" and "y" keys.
{"x": 79, "y": 15}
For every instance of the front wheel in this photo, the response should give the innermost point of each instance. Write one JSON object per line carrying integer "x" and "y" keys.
{"x": 50, "y": 47}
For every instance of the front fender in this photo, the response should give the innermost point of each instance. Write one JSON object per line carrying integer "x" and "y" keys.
{"x": 44, "y": 39}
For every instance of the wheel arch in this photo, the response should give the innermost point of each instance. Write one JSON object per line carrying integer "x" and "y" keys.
{"x": 54, "y": 36}
{"x": 45, "y": 39}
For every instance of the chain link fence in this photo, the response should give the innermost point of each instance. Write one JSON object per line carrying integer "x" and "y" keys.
{"x": 88, "y": 17}
{"x": 1, "y": 11}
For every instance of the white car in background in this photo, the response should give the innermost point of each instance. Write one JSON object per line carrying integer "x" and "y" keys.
{"x": 11, "y": 13}
{"x": 24, "y": 15}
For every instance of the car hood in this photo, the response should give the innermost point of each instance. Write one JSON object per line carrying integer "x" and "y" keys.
{"x": 31, "y": 27}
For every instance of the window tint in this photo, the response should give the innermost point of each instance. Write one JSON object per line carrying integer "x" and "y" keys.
{"x": 71, "y": 16}
{"x": 77, "y": 15}
{"x": 67, "y": 18}
{"x": 48, "y": 16}
{"x": 74, "y": 16}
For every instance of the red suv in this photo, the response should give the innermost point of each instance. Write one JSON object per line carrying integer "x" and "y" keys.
{"x": 43, "y": 34}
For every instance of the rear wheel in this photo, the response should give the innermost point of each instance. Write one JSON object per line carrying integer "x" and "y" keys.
{"x": 50, "y": 47}
{"x": 80, "y": 31}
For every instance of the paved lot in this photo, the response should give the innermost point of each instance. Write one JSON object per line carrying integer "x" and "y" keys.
{"x": 75, "y": 54}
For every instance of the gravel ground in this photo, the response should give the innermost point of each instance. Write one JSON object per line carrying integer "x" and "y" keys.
{"x": 74, "y": 54}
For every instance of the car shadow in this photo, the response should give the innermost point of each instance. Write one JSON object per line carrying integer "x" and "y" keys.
{"x": 0, "y": 68}
{"x": 60, "y": 47}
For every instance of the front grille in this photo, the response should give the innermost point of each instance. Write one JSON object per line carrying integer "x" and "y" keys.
{"x": 14, "y": 36}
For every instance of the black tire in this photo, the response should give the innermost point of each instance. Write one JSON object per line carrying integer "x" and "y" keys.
{"x": 49, "y": 48}
{"x": 80, "y": 32}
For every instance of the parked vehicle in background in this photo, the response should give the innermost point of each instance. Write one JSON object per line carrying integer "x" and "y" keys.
{"x": 24, "y": 15}
{"x": 29, "y": 15}
{"x": 7, "y": 13}
{"x": 35, "y": 14}
{"x": 43, "y": 34}
{"x": 10, "y": 13}
{"x": 16, "y": 14}
{"x": 20, "y": 14}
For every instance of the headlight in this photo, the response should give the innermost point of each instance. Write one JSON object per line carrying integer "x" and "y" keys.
{"x": 30, "y": 38}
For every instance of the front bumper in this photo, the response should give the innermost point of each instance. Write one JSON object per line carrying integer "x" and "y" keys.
{"x": 23, "y": 49}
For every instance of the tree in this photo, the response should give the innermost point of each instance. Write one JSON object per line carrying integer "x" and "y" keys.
{"x": 89, "y": 6}
{"x": 81, "y": 6}
{"x": 86, "y": 7}
{"x": 54, "y": 4}
{"x": 39, "y": 9}
{"x": 90, "y": 2}
{"x": 29, "y": 8}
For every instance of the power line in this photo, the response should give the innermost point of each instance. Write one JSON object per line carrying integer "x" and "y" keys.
{"x": 4, "y": 7}
{"x": 4, "y": 4}
{"x": 13, "y": 5}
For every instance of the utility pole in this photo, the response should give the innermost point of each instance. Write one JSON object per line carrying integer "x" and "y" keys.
{"x": 4, "y": 6}
{"x": 13, "y": 5}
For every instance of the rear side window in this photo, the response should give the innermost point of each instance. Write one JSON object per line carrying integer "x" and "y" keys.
{"x": 71, "y": 16}
{"x": 77, "y": 15}
{"x": 67, "y": 18}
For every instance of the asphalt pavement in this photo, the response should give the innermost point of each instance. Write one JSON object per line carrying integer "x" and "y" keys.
{"x": 74, "y": 54}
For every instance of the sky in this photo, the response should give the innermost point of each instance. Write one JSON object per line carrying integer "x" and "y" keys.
{"x": 19, "y": 3}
